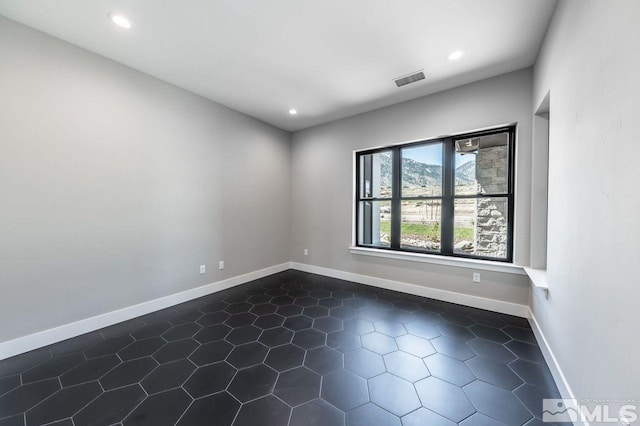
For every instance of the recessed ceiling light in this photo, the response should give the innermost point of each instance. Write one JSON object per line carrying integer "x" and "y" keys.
{"x": 120, "y": 20}
{"x": 455, "y": 55}
{"x": 293, "y": 111}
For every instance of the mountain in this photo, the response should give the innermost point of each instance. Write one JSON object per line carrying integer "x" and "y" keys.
{"x": 466, "y": 173}
{"x": 415, "y": 173}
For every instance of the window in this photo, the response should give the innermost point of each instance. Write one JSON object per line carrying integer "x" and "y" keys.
{"x": 451, "y": 196}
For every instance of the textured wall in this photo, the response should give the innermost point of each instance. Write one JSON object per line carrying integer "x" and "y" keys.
{"x": 491, "y": 216}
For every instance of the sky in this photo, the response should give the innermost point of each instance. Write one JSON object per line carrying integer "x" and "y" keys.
{"x": 432, "y": 154}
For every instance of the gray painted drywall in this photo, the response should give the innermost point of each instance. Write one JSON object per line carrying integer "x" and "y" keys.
{"x": 116, "y": 186}
{"x": 322, "y": 176}
{"x": 590, "y": 63}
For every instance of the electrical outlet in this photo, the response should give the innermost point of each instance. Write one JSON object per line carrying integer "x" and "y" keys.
{"x": 203, "y": 269}
{"x": 221, "y": 264}
{"x": 476, "y": 277}
{"x": 306, "y": 252}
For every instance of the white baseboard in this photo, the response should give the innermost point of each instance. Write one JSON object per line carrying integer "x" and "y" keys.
{"x": 67, "y": 331}
{"x": 558, "y": 376}
{"x": 418, "y": 290}
{"x": 464, "y": 299}
{"x": 552, "y": 362}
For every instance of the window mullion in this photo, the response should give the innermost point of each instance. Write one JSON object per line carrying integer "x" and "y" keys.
{"x": 446, "y": 238}
{"x": 396, "y": 176}
{"x": 366, "y": 208}
{"x": 511, "y": 190}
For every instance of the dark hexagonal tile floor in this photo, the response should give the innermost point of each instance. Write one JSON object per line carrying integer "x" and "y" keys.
{"x": 247, "y": 355}
{"x": 253, "y": 382}
{"x": 298, "y": 386}
{"x": 309, "y": 339}
{"x": 371, "y": 415}
{"x": 288, "y": 349}
{"x": 344, "y": 390}
{"x": 449, "y": 369}
{"x": 406, "y": 366}
{"x": 324, "y": 360}
{"x": 364, "y": 363}
{"x": 393, "y": 394}
{"x": 210, "y": 379}
{"x": 317, "y": 413}
{"x": 285, "y": 357}
{"x": 222, "y": 407}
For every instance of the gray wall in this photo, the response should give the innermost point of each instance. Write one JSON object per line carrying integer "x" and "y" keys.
{"x": 116, "y": 186}
{"x": 322, "y": 176}
{"x": 590, "y": 63}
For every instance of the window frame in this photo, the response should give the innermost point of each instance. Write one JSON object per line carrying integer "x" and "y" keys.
{"x": 448, "y": 196}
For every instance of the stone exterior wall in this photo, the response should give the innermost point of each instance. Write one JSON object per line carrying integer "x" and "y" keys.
{"x": 491, "y": 214}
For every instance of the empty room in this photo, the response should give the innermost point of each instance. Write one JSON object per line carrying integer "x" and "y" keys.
{"x": 319, "y": 213}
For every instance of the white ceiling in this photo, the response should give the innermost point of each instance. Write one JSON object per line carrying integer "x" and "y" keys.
{"x": 329, "y": 59}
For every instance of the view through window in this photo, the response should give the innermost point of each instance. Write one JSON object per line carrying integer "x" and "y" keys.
{"x": 451, "y": 196}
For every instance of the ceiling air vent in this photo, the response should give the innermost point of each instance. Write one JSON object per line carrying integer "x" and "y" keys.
{"x": 411, "y": 78}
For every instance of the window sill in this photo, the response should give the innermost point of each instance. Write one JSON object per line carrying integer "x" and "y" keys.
{"x": 484, "y": 265}
{"x": 538, "y": 278}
